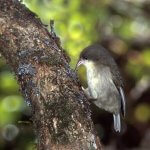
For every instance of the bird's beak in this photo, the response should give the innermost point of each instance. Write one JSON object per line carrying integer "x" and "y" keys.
{"x": 80, "y": 62}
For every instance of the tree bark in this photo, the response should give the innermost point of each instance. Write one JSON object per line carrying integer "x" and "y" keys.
{"x": 60, "y": 110}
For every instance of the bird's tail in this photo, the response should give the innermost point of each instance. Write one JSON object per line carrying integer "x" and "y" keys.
{"x": 117, "y": 122}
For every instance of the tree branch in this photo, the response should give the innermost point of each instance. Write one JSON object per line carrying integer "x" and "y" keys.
{"x": 60, "y": 109}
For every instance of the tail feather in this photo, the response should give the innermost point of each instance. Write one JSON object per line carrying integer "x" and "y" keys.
{"x": 117, "y": 122}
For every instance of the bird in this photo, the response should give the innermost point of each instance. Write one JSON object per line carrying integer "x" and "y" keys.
{"x": 105, "y": 84}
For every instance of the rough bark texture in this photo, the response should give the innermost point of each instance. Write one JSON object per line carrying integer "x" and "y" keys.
{"x": 60, "y": 110}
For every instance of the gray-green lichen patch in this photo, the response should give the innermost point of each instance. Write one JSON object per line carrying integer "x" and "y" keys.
{"x": 91, "y": 142}
{"x": 26, "y": 69}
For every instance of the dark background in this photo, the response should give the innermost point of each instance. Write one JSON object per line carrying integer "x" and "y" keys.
{"x": 123, "y": 27}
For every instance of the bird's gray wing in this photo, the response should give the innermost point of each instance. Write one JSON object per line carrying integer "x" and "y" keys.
{"x": 123, "y": 101}
{"x": 118, "y": 81}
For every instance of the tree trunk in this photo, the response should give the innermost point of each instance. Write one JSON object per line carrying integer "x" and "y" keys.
{"x": 60, "y": 110}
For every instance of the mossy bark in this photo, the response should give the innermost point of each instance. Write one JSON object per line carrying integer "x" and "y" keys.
{"x": 60, "y": 110}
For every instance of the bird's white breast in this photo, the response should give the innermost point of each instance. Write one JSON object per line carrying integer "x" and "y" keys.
{"x": 101, "y": 87}
{"x": 99, "y": 80}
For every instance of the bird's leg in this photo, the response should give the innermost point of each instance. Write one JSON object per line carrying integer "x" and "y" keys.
{"x": 87, "y": 93}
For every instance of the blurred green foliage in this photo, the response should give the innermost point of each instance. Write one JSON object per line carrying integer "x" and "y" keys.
{"x": 121, "y": 26}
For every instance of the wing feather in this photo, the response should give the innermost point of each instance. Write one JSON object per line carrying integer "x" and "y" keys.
{"x": 123, "y": 101}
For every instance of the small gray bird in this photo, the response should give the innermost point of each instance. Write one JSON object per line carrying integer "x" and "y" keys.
{"x": 104, "y": 81}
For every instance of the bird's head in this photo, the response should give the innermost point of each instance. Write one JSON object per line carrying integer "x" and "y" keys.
{"x": 89, "y": 55}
